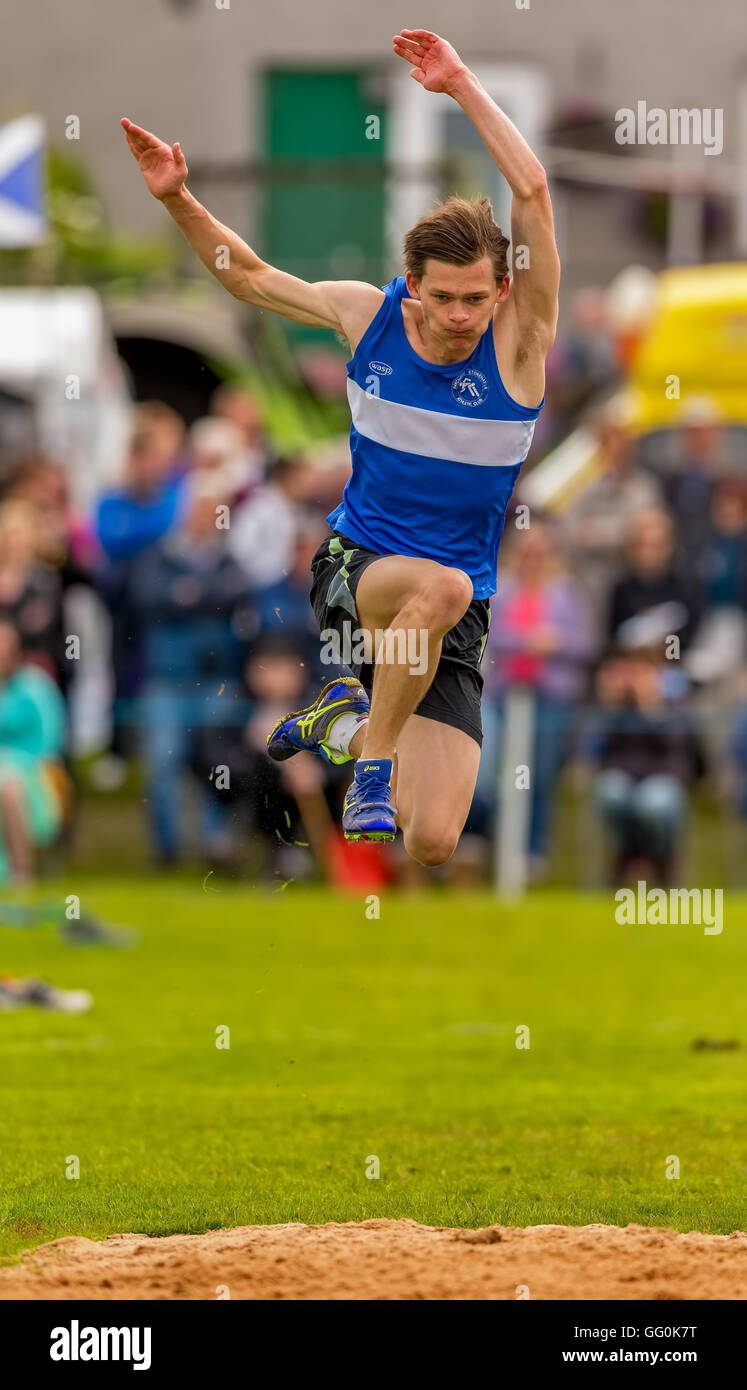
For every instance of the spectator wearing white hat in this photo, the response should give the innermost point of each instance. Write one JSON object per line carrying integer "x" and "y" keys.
{"x": 262, "y": 535}
{"x": 217, "y": 448}
{"x": 238, "y": 406}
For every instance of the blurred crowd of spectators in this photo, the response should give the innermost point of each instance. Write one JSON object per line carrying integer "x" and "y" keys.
{"x": 200, "y": 559}
{"x": 624, "y": 615}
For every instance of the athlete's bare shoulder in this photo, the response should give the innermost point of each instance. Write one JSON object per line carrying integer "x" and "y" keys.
{"x": 355, "y": 304}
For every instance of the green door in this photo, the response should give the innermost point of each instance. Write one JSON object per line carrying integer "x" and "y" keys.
{"x": 323, "y": 204}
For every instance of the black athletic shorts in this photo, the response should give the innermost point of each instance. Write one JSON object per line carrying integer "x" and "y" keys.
{"x": 455, "y": 692}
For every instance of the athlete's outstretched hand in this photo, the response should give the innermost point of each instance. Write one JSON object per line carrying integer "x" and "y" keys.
{"x": 437, "y": 65}
{"x": 163, "y": 167}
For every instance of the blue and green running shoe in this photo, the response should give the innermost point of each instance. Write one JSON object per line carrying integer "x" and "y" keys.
{"x": 367, "y": 812}
{"x": 308, "y": 728}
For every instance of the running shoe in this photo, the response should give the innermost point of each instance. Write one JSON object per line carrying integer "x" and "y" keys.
{"x": 308, "y": 728}
{"x": 367, "y": 811}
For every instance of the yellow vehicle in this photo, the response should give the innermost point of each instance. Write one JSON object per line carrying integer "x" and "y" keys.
{"x": 694, "y": 344}
{"x": 687, "y": 354}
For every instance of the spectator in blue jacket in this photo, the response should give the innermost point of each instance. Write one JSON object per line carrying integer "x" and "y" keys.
{"x": 188, "y": 599}
{"x": 149, "y": 503}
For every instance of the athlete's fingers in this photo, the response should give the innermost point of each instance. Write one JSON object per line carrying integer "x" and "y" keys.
{"x": 133, "y": 147}
{"x": 127, "y": 128}
{"x": 143, "y": 138}
{"x": 137, "y": 145}
{"x": 410, "y": 56}
{"x": 408, "y": 50}
{"x": 423, "y": 36}
{"x": 139, "y": 132}
{"x": 419, "y": 75}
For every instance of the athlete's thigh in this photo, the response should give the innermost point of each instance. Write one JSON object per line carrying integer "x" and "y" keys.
{"x": 436, "y": 774}
{"x": 386, "y": 584}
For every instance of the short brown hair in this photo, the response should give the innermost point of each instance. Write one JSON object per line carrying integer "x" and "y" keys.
{"x": 459, "y": 231}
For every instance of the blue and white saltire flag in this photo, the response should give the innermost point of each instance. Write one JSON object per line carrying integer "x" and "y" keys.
{"x": 22, "y": 215}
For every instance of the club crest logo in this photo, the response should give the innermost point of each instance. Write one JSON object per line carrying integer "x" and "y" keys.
{"x": 470, "y": 388}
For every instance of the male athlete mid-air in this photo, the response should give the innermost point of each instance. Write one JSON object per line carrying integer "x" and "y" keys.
{"x": 445, "y": 382}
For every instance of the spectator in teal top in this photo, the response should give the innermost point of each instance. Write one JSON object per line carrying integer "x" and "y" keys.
{"x": 32, "y": 775}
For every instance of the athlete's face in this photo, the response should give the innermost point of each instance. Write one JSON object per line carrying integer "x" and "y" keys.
{"x": 458, "y": 301}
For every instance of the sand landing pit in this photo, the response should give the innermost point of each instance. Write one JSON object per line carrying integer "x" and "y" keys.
{"x": 388, "y": 1260}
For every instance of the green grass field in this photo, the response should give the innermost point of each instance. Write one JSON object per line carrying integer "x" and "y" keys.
{"x": 352, "y": 1037}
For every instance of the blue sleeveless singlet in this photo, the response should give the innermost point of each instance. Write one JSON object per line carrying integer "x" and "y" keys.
{"x": 436, "y": 450}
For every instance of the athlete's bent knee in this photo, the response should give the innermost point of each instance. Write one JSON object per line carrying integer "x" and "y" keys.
{"x": 431, "y": 850}
{"x": 451, "y": 595}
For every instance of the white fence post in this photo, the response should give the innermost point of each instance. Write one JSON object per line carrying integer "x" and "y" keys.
{"x": 514, "y": 804}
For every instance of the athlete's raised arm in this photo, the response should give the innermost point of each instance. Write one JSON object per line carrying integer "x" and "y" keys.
{"x": 345, "y": 306}
{"x": 438, "y": 68}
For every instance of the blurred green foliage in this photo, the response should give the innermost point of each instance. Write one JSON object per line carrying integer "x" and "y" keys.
{"x": 81, "y": 248}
